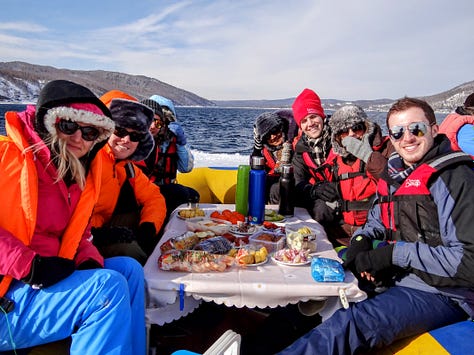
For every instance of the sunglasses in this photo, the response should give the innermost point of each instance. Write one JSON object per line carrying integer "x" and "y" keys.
{"x": 275, "y": 131}
{"x": 134, "y": 136}
{"x": 418, "y": 129}
{"x": 89, "y": 133}
{"x": 357, "y": 129}
{"x": 158, "y": 123}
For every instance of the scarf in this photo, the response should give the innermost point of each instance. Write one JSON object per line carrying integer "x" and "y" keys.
{"x": 397, "y": 170}
{"x": 319, "y": 147}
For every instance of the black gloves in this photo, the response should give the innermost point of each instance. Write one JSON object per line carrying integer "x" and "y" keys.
{"x": 374, "y": 261}
{"x": 146, "y": 237}
{"x": 359, "y": 243}
{"x": 111, "y": 235}
{"x": 48, "y": 270}
{"x": 89, "y": 264}
{"x": 326, "y": 191}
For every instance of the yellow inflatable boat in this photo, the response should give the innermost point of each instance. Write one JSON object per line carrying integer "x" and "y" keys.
{"x": 214, "y": 184}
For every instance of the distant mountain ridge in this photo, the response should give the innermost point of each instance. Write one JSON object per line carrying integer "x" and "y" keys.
{"x": 21, "y": 82}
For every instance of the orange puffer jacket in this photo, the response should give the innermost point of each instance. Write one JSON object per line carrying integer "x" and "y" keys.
{"x": 147, "y": 194}
{"x": 19, "y": 221}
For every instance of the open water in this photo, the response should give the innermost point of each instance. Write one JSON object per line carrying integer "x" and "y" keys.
{"x": 218, "y": 136}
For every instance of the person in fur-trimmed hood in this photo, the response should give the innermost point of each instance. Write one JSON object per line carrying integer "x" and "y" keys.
{"x": 273, "y": 133}
{"x": 360, "y": 153}
{"x": 131, "y": 209}
{"x": 54, "y": 284}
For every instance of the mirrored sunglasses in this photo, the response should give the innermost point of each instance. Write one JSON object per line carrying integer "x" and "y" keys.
{"x": 88, "y": 133}
{"x": 418, "y": 129}
{"x": 134, "y": 136}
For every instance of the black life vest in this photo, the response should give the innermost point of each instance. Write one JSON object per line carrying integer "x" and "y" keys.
{"x": 409, "y": 213}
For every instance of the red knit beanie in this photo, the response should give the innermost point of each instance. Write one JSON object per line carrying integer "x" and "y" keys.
{"x": 306, "y": 103}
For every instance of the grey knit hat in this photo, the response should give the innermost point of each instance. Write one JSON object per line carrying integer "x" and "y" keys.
{"x": 134, "y": 115}
{"x": 155, "y": 106}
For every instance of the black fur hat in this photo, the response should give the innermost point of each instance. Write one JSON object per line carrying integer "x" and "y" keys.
{"x": 134, "y": 115}
{"x": 58, "y": 93}
{"x": 268, "y": 121}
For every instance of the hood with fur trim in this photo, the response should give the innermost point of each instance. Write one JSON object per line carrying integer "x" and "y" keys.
{"x": 134, "y": 115}
{"x": 56, "y": 99}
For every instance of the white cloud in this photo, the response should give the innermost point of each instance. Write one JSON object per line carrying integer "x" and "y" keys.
{"x": 268, "y": 49}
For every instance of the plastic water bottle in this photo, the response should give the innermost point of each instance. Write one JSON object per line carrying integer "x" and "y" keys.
{"x": 242, "y": 190}
{"x": 257, "y": 190}
{"x": 287, "y": 191}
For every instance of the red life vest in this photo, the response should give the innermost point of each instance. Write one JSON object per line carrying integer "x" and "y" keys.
{"x": 356, "y": 188}
{"x": 409, "y": 213}
{"x": 322, "y": 172}
{"x": 270, "y": 162}
{"x": 163, "y": 166}
{"x": 451, "y": 126}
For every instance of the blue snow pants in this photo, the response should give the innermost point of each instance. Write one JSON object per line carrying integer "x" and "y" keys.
{"x": 397, "y": 313}
{"x": 103, "y": 310}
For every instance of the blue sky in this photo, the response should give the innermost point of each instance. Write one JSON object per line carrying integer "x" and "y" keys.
{"x": 253, "y": 49}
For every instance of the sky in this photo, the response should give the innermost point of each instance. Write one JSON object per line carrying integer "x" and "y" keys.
{"x": 253, "y": 49}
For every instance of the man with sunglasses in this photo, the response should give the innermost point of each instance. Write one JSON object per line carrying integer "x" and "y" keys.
{"x": 131, "y": 209}
{"x": 425, "y": 213}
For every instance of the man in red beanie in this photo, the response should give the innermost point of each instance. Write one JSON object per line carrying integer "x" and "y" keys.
{"x": 311, "y": 151}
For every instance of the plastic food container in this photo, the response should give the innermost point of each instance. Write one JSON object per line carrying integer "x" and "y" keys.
{"x": 203, "y": 224}
{"x": 269, "y": 240}
{"x": 301, "y": 240}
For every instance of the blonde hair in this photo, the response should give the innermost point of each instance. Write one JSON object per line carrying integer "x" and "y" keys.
{"x": 67, "y": 164}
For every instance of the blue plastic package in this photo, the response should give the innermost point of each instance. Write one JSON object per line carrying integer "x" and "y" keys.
{"x": 327, "y": 270}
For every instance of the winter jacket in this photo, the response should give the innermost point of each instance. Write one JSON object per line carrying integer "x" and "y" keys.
{"x": 356, "y": 180}
{"x": 147, "y": 194}
{"x": 451, "y": 126}
{"x": 435, "y": 241}
{"x": 40, "y": 216}
{"x": 165, "y": 160}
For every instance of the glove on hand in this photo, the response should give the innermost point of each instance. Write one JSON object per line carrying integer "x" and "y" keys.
{"x": 89, "y": 264}
{"x": 326, "y": 191}
{"x": 178, "y": 131}
{"x": 146, "y": 237}
{"x": 359, "y": 244}
{"x": 111, "y": 235}
{"x": 359, "y": 148}
{"x": 256, "y": 153}
{"x": 374, "y": 261}
{"x": 48, "y": 270}
{"x": 257, "y": 140}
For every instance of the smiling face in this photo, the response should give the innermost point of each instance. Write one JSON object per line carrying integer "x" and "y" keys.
{"x": 412, "y": 148}
{"x": 312, "y": 125}
{"x": 75, "y": 143}
{"x": 122, "y": 147}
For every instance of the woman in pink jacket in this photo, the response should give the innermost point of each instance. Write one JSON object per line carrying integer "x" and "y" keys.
{"x": 54, "y": 283}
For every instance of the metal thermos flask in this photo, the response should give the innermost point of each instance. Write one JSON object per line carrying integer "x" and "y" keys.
{"x": 257, "y": 176}
{"x": 242, "y": 189}
{"x": 287, "y": 191}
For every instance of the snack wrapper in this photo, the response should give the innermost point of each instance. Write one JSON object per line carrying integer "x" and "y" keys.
{"x": 193, "y": 261}
{"x": 215, "y": 245}
{"x": 327, "y": 270}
